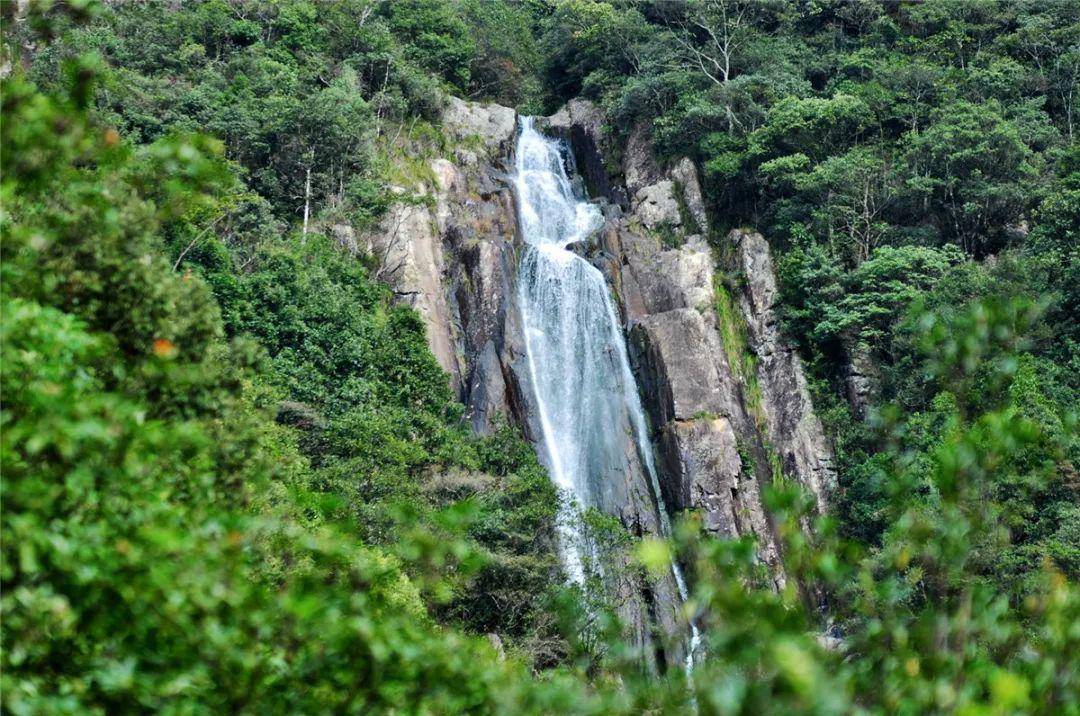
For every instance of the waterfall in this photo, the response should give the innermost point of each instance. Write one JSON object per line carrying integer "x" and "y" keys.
{"x": 590, "y": 414}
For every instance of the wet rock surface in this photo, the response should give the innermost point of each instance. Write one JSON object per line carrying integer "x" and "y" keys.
{"x": 717, "y": 431}
{"x": 581, "y": 123}
{"x": 451, "y": 251}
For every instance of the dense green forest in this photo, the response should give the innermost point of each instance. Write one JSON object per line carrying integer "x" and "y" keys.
{"x": 236, "y": 480}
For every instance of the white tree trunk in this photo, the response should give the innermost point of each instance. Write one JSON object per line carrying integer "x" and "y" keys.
{"x": 307, "y": 200}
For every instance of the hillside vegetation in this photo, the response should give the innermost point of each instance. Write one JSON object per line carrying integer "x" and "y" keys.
{"x": 235, "y": 480}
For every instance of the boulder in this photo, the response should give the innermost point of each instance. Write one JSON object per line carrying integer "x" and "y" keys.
{"x": 668, "y": 200}
{"x": 495, "y": 126}
{"x": 487, "y": 390}
{"x": 577, "y": 114}
{"x": 656, "y": 207}
{"x": 639, "y": 166}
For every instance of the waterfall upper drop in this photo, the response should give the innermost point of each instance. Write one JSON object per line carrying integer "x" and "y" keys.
{"x": 568, "y": 337}
{"x": 593, "y": 428}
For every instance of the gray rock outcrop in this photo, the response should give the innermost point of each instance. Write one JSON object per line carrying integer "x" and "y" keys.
{"x": 717, "y": 440}
{"x": 449, "y": 248}
{"x": 410, "y": 258}
{"x": 863, "y": 380}
{"x": 492, "y": 125}
{"x": 705, "y": 469}
{"x": 710, "y": 453}
{"x": 685, "y": 176}
{"x": 581, "y": 123}
{"x": 449, "y": 251}
{"x": 792, "y": 428}
{"x": 656, "y": 207}
{"x": 640, "y": 169}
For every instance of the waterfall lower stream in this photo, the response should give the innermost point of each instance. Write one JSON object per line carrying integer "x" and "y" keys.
{"x": 590, "y": 414}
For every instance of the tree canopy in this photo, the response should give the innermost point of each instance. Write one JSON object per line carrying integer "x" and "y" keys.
{"x": 235, "y": 479}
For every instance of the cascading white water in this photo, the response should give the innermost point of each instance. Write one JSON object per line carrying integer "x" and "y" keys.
{"x": 589, "y": 410}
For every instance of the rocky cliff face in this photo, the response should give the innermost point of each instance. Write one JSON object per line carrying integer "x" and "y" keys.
{"x": 726, "y": 395}
{"x": 448, "y": 249}
{"x": 791, "y": 426}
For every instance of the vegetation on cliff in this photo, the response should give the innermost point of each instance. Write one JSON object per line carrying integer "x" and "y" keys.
{"x": 235, "y": 479}
{"x": 901, "y": 158}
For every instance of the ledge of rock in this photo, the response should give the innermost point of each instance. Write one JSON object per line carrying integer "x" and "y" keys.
{"x": 495, "y": 126}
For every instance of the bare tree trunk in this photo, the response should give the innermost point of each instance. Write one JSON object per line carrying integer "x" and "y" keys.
{"x": 307, "y": 195}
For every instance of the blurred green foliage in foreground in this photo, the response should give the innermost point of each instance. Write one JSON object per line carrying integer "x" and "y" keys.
{"x": 247, "y": 491}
